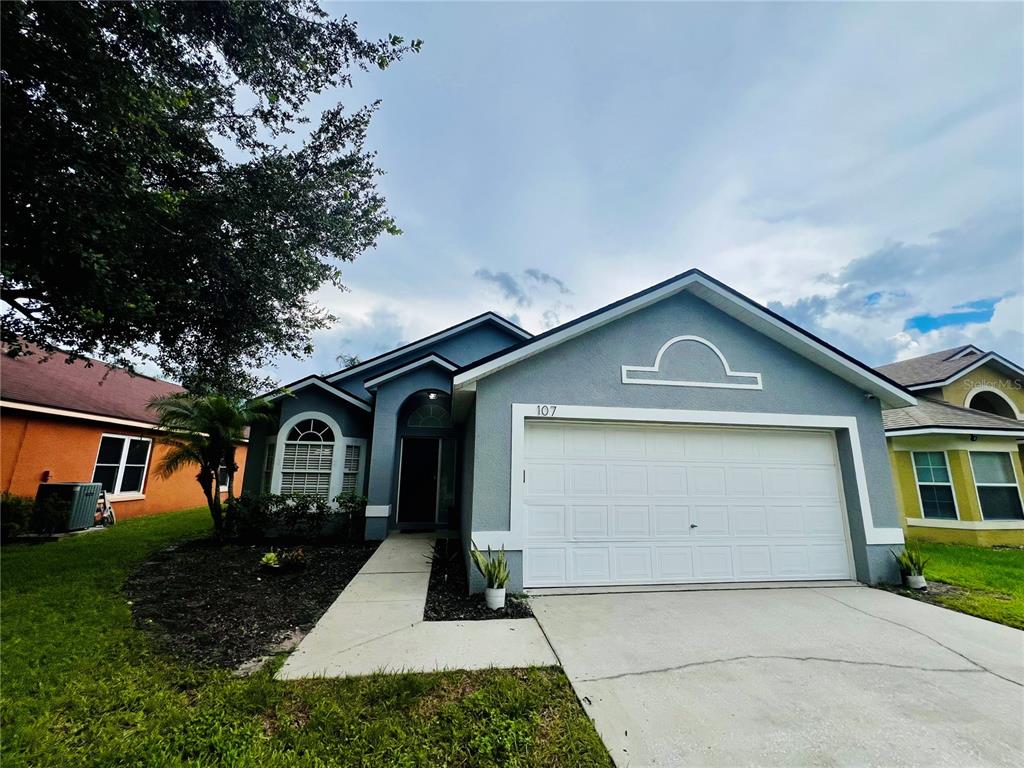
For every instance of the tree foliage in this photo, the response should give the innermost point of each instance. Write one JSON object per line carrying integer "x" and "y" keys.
{"x": 163, "y": 196}
{"x": 204, "y": 431}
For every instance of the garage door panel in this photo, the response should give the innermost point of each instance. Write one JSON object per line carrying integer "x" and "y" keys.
{"x": 706, "y": 481}
{"x": 748, "y": 521}
{"x": 753, "y": 561}
{"x": 667, "y": 479}
{"x": 631, "y": 520}
{"x": 588, "y": 479}
{"x": 591, "y": 564}
{"x": 545, "y": 479}
{"x": 710, "y": 520}
{"x": 713, "y": 563}
{"x": 674, "y": 563}
{"x": 589, "y": 521}
{"x": 622, "y": 504}
{"x": 671, "y": 520}
{"x": 545, "y": 521}
{"x": 633, "y": 564}
{"x": 629, "y": 480}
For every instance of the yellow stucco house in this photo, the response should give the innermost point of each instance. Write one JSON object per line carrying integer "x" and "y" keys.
{"x": 956, "y": 455}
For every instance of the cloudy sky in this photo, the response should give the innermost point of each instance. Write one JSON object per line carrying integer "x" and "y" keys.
{"x": 858, "y": 168}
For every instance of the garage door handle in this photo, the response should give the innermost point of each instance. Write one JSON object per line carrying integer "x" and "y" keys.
{"x": 693, "y": 525}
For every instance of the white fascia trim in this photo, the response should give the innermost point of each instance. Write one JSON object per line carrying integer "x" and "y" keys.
{"x": 488, "y": 317}
{"x": 875, "y": 384}
{"x": 326, "y": 387}
{"x": 1018, "y": 433}
{"x": 377, "y": 380}
{"x": 968, "y": 350}
{"x": 967, "y": 525}
{"x": 378, "y": 510}
{"x": 987, "y": 358}
{"x": 513, "y": 539}
{"x": 77, "y": 415}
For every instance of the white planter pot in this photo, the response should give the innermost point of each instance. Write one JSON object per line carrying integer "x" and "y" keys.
{"x": 915, "y": 581}
{"x": 495, "y": 598}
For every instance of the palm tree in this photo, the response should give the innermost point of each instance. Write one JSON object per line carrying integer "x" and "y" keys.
{"x": 205, "y": 430}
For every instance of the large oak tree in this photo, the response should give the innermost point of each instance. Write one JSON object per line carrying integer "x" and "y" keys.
{"x": 157, "y": 200}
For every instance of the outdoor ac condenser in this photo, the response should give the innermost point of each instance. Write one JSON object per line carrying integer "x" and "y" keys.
{"x": 79, "y": 498}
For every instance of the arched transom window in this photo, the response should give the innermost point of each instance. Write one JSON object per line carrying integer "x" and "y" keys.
{"x": 430, "y": 415}
{"x": 308, "y": 458}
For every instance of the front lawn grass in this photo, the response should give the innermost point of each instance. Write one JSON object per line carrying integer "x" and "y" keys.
{"x": 82, "y": 687}
{"x": 990, "y": 581}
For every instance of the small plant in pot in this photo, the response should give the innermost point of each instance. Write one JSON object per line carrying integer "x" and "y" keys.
{"x": 494, "y": 569}
{"x": 911, "y": 563}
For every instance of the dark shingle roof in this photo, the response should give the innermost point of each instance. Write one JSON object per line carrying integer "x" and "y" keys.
{"x": 937, "y": 414}
{"x": 938, "y": 366}
{"x": 96, "y": 390}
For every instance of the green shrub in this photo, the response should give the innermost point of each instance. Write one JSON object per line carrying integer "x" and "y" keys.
{"x": 276, "y": 516}
{"x": 353, "y": 506}
{"x": 493, "y": 567}
{"x": 15, "y": 515}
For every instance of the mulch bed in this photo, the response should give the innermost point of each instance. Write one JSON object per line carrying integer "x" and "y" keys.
{"x": 214, "y": 604}
{"x": 448, "y": 597}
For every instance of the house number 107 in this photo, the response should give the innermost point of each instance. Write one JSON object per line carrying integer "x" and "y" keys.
{"x": 546, "y": 410}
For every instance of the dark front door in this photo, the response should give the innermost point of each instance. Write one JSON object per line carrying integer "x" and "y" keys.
{"x": 417, "y": 483}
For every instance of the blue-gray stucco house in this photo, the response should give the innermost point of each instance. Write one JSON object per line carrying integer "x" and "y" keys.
{"x": 684, "y": 434}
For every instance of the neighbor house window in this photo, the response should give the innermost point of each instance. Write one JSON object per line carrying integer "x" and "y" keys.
{"x": 997, "y": 487}
{"x": 308, "y": 458}
{"x": 934, "y": 485}
{"x": 121, "y": 463}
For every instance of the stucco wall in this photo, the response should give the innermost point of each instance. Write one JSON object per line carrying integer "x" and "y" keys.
{"x": 587, "y": 371}
{"x": 32, "y": 443}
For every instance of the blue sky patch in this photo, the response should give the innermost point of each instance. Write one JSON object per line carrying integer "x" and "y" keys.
{"x": 977, "y": 311}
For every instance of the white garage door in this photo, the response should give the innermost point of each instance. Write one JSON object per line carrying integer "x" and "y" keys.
{"x": 645, "y": 504}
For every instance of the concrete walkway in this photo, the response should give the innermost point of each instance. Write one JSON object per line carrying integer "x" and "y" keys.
{"x": 376, "y": 625}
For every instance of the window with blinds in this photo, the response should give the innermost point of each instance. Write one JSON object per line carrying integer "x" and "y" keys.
{"x": 350, "y": 473}
{"x": 307, "y": 459}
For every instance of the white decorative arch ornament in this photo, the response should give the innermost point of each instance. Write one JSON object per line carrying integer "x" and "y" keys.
{"x": 656, "y": 368}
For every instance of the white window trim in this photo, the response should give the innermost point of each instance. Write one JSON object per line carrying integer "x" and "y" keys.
{"x": 974, "y": 479}
{"x": 992, "y": 390}
{"x": 337, "y": 457}
{"x": 917, "y": 484}
{"x": 116, "y": 495}
{"x": 514, "y": 538}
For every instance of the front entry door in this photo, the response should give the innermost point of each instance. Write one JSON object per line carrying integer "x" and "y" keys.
{"x": 417, "y": 483}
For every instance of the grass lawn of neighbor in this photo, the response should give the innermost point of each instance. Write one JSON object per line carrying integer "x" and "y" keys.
{"x": 977, "y": 580}
{"x": 83, "y": 687}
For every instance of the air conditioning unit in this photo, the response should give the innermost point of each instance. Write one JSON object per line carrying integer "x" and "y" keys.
{"x": 79, "y": 499}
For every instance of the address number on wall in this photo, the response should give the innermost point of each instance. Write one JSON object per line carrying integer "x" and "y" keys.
{"x": 546, "y": 410}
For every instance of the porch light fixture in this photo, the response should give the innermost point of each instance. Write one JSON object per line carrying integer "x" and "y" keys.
{"x": 432, "y": 396}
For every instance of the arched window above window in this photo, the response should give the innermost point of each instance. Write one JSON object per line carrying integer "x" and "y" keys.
{"x": 430, "y": 415}
{"x": 311, "y": 431}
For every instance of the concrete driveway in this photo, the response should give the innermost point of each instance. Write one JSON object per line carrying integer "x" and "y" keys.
{"x": 802, "y": 676}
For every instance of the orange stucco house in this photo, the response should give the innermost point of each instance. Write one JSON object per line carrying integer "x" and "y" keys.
{"x": 69, "y": 422}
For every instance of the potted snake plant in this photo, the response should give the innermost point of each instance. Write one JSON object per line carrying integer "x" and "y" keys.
{"x": 494, "y": 569}
{"x": 911, "y": 563}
